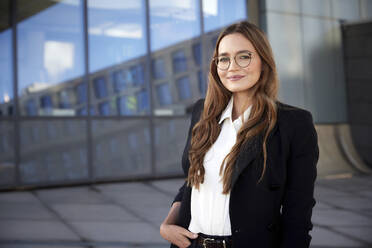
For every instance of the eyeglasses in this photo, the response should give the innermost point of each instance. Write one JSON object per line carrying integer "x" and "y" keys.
{"x": 242, "y": 59}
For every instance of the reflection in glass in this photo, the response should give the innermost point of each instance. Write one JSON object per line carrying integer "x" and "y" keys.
{"x": 50, "y": 153}
{"x": 220, "y": 13}
{"x": 202, "y": 83}
{"x": 119, "y": 80}
{"x": 81, "y": 93}
{"x": 104, "y": 108}
{"x": 163, "y": 94}
{"x": 196, "y": 52}
{"x": 158, "y": 68}
{"x": 184, "y": 88}
{"x": 173, "y": 21}
{"x": 116, "y": 32}
{"x": 179, "y": 61}
{"x": 169, "y": 142}
{"x": 120, "y": 148}
{"x": 117, "y": 48}
{"x": 50, "y": 52}
{"x": 6, "y": 68}
{"x": 100, "y": 88}
{"x": 7, "y": 154}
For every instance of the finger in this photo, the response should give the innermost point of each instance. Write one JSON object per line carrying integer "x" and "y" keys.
{"x": 189, "y": 234}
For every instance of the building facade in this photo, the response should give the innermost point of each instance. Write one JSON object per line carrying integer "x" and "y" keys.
{"x": 94, "y": 91}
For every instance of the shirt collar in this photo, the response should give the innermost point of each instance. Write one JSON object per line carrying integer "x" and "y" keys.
{"x": 227, "y": 113}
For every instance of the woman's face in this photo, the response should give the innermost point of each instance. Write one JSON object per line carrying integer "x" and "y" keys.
{"x": 235, "y": 78}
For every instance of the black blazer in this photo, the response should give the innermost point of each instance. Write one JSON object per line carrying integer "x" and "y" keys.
{"x": 276, "y": 213}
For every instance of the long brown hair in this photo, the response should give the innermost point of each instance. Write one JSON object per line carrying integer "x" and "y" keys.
{"x": 262, "y": 118}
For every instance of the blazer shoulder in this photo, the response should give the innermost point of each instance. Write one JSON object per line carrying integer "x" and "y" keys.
{"x": 293, "y": 116}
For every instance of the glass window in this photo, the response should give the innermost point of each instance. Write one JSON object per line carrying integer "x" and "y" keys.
{"x": 137, "y": 74}
{"x": 118, "y": 80}
{"x": 48, "y": 162}
{"x": 6, "y": 69}
{"x": 50, "y": 46}
{"x": 179, "y": 61}
{"x": 7, "y": 153}
{"x": 128, "y": 155}
{"x": 81, "y": 93}
{"x": 158, "y": 68}
{"x": 30, "y": 107}
{"x": 100, "y": 87}
{"x": 173, "y": 21}
{"x": 104, "y": 108}
{"x": 64, "y": 99}
{"x": 127, "y": 105}
{"x": 202, "y": 83}
{"x": 220, "y": 13}
{"x": 46, "y": 103}
{"x": 197, "y": 53}
{"x": 164, "y": 94}
{"x": 116, "y": 32}
{"x": 143, "y": 101}
{"x": 184, "y": 89}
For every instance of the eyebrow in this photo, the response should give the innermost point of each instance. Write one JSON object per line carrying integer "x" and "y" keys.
{"x": 241, "y": 51}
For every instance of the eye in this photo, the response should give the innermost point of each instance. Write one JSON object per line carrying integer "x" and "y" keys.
{"x": 245, "y": 56}
{"x": 223, "y": 59}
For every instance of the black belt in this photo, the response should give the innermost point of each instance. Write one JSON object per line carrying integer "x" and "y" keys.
{"x": 209, "y": 241}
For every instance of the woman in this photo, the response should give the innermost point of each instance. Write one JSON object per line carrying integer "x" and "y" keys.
{"x": 250, "y": 161}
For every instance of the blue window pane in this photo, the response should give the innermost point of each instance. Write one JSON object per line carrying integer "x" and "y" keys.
{"x": 82, "y": 111}
{"x": 184, "y": 89}
{"x": 137, "y": 74}
{"x": 30, "y": 107}
{"x": 220, "y": 13}
{"x": 116, "y": 32}
{"x": 196, "y": 52}
{"x": 173, "y": 21}
{"x": 46, "y": 102}
{"x": 100, "y": 88}
{"x": 119, "y": 80}
{"x": 81, "y": 93}
{"x": 6, "y": 78}
{"x": 64, "y": 99}
{"x": 163, "y": 94}
{"x": 127, "y": 105}
{"x": 214, "y": 41}
{"x": 202, "y": 83}
{"x": 143, "y": 101}
{"x": 158, "y": 68}
{"x": 179, "y": 61}
{"x": 104, "y": 108}
{"x": 50, "y": 44}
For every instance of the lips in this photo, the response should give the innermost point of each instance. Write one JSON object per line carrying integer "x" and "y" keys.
{"x": 235, "y": 77}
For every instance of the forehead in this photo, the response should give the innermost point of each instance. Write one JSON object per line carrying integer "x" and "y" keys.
{"x": 234, "y": 43}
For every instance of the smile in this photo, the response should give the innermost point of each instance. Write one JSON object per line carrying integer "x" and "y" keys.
{"x": 235, "y": 78}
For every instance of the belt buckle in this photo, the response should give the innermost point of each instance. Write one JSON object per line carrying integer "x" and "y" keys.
{"x": 205, "y": 241}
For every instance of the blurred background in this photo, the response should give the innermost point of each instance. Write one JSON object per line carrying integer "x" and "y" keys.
{"x": 94, "y": 90}
{"x": 100, "y": 90}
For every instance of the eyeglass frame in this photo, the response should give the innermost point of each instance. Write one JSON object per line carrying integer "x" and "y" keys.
{"x": 215, "y": 59}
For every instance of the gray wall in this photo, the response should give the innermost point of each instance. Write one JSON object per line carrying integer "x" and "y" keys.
{"x": 358, "y": 65}
{"x": 307, "y": 42}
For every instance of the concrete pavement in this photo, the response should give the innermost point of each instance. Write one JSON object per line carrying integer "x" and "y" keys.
{"x": 129, "y": 214}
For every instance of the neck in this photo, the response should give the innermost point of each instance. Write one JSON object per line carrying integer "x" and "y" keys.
{"x": 241, "y": 103}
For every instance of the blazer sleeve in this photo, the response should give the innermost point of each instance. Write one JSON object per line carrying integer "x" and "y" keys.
{"x": 195, "y": 116}
{"x": 298, "y": 198}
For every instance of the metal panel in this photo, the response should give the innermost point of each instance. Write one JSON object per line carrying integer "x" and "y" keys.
{"x": 316, "y": 7}
{"x": 345, "y": 10}
{"x": 292, "y": 6}
{"x": 284, "y": 32}
{"x": 324, "y": 81}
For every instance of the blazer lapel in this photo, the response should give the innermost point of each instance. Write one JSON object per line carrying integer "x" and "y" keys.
{"x": 248, "y": 154}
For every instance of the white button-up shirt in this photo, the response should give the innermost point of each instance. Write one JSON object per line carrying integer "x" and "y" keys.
{"x": 209, "y": 207}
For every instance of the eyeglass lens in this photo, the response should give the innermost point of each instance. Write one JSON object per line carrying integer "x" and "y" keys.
{"x": 242, "y": 59}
